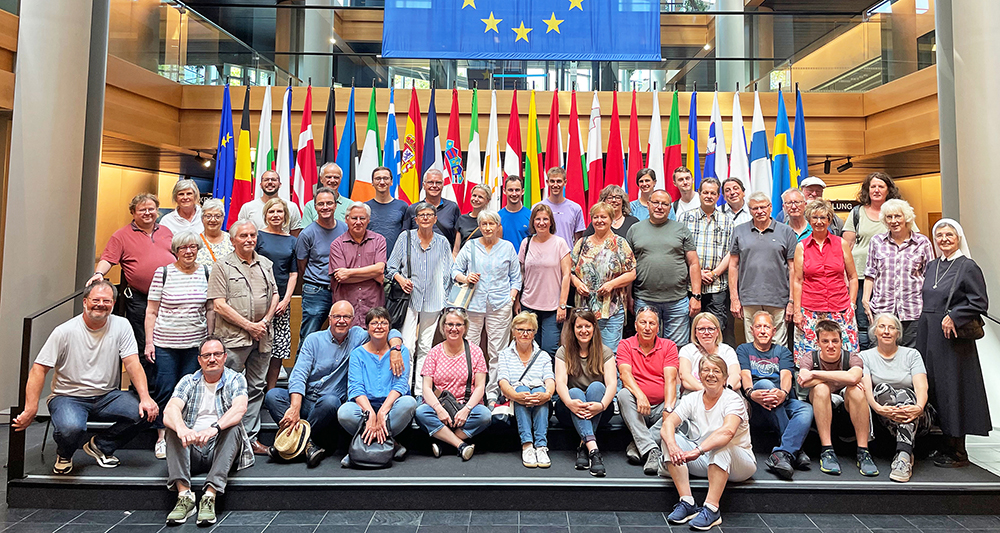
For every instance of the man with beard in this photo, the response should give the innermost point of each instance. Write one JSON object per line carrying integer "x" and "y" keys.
{"x": 87, "y": 353}
{"x": 270, "y": 183}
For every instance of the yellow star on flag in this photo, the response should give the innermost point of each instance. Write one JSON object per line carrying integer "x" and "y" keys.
{"x": 575, "y": 3}
{"x": 553, "y": 24}
{"x": 491, "y": 23}
{"x": 225, "y": 140}
{"x": 469, "y": 3}
{"x": 522, "y": 32}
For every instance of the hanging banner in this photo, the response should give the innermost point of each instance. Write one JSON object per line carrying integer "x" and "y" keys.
{"x": 566, "y": 30}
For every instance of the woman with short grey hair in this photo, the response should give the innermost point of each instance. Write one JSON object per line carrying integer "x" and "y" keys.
{"x": 179, "y": 315}
{"x": 490, "y": 263}
{"x": 187, "y": 215}
{"x": 216, "y": 243}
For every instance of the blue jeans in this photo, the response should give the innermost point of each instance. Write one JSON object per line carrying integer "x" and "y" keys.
{"x": 611, "y": 329}
{"x": 171, "y": 365}
{"x": 675, "y": 322}
{"x": 316, "y": 304}
{"x": 532, "y": 419}
{"x": 585, "y": 428}
{"x": 479, "y": 419}
{"x": 321, "y": 413}
{"x": 547, "y": 335}
{"x": 791, "y": 419}
{"x": 400, "y": 415}
{"x": 70, "y": 414}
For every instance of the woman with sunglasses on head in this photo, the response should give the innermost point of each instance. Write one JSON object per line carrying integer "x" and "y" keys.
{"x": 525, "y": 378}
{"x": 421, "y": 263}
{"x": 179, "y": 315}
{"x": 447, "y": 377}
{"x": 706, "y": 339}
{"x": 546, "y": 263}
{"x": 586, "y": 381}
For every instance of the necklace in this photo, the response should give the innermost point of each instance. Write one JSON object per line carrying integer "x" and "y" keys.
{"x": 937, "y": 278}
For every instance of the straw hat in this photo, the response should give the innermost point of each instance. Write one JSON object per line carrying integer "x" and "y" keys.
{"x": 292, "y": 442}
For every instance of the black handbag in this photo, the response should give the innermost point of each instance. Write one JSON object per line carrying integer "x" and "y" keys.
{"x": 973, "y": 329}
{"x": 397, "y": 301}
{"x": 448, "y": 400}
{"x": 370, "y": 456}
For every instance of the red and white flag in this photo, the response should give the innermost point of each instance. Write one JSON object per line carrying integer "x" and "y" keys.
{"x": 306, "y": 174}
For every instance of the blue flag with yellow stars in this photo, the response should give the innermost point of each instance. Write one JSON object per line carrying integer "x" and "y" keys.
{"x": 568, "y": 30}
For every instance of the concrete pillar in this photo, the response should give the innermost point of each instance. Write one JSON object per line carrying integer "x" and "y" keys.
{"x": 317, "y": 29}
{"x": 975, "y": 39}
{"x": 729, "y": 42}
{"x": 54, "y": 163}
{"x": 946, "y": 108}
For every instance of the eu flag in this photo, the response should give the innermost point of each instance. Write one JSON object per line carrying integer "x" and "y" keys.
{"x": 567, "y": 30}
{"x": 225, "y": 154}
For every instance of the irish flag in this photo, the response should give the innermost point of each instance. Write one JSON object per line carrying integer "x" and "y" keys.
{"x": 371, "y": 157}
{"x": 473, "y": 164}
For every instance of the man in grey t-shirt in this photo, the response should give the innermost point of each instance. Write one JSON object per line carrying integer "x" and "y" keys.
{"x": 665, "y": 261}
{"x": 86, "y": 353}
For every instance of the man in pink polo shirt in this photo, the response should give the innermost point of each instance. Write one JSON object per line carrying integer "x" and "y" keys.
{"x": 647, "y": 365}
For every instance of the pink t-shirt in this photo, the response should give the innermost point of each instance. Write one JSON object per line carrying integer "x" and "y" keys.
{"x": 542, "y": 273}
{"x": 452, "y": 373}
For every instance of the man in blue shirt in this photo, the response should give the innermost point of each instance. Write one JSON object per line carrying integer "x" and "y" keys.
{"x": 766, "y": 369}
{"x": 387, "y": 212}
{"x": 515, "y": 219}
{"x": 312, "y": 250}
{"x": 317, "y": 385}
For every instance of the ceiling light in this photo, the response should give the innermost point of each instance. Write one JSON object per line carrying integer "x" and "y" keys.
{"x": 205, "y": 161}
{"x": 333, "y": 40}
{"x": 826, "y": 165}
{"x": 846, "y": 166}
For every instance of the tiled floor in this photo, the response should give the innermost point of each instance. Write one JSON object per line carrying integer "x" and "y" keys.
{"x": 65, "y": 521}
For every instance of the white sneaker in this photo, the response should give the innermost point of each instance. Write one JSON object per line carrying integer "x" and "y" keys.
{"x": 542, "y": 457}
{"x": 528, "y": 457}
{"x": 160, "y": 449}
{"x": 63, "y": 465}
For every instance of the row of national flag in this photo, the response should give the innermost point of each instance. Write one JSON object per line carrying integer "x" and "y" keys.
{"x": 588, "y": 168}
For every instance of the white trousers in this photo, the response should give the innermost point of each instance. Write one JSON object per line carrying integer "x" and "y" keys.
{"x": 740, "y": 463}
{"x": 497, "y": 324}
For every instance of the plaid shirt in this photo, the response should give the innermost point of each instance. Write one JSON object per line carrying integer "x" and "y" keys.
{"x": 898, "y": 271}
{"x": 712, "y": 240}
{"x": 233, "y": 384}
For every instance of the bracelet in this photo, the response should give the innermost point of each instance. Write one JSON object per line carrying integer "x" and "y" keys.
{"x": 700, "y": 451}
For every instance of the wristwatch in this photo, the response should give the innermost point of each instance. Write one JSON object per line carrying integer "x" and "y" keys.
{"x": 216, "y": 426}
{"x": 400, "y": 348}
{"x": 564, "y": 307}
{"x": 696, "y": 297}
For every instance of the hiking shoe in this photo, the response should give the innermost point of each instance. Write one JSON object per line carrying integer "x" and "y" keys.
{"x": 596, "y": 463}
{"x": 652, "y": 462}
{"x": 706, "y": 519}
{"x": 542, "y": 457}
{"x": 466, "y": 450}
{"x": 682, "y": 512}
{"x": 828, "y": 463}
{"x": 801, "y": 461}
{"x": 901, "y": 468}
{"x": 582, "y": 458}
{"x": 185, "y": 508}
{"x": 528, "y": 457}
{"x": 160, "y": 450}
{"x": 314, "y": 455}
{"x": 63, "y": 465}
{"x": 952, "y": 460}
{"x": 206, "y": 510}
{"x": 633, "y": 455}
{"x": 105, "y": 461}
{"x": 866, "y": 464}
{"x": 435, "y": 449}
{"x": 780, "y": 463}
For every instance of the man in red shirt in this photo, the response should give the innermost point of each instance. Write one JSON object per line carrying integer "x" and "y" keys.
{"x": 357, "y": 263}
{"x": 140, "y": 248}
{"x": 647, "y": 365}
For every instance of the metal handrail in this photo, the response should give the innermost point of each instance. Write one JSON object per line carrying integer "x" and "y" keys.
{"x": 16, "y": 440}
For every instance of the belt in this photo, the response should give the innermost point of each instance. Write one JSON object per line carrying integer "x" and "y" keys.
{"x": 314, "y": 284}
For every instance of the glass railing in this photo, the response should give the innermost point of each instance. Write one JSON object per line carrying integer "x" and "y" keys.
{"x": 178, "y": 43}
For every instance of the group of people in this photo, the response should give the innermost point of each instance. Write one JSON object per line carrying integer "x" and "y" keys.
{"x": 876, "y": 310}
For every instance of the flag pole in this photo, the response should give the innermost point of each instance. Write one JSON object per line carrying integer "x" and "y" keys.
{"x": 716, "y": 86}
{"x": 754, "y": 86}
{"x": 737, "y": 86}
{"x": 310, "y": 80}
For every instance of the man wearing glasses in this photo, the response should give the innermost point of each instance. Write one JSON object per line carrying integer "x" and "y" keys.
{"x": 760, "y": 269}
{"x": 357, "y": 263}
{"x": 447, "y": 210}
{"x": 330, "y": 175}
{"x": 317, "y": 385}
{"x": 204, "y": 433}
{"x": 794, "y": 204}
{"x": 87, "y": 353}
{"x": 387, "y": 213}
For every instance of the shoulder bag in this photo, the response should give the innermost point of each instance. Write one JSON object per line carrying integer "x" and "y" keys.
{"x": 370, "y": 456}
{"x": 397, "y": 301}
{"x": 460, "y": 294}
{"x": 448, "y": 400}
{"x": 503, "y": 406}
{"x": 973, "y": 329}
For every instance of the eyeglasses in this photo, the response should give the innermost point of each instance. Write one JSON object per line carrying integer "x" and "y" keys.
{"x": 709, "y": 329}
{"x": 211, "y": 217}
{"x": 616, "y": 197}
{"x": 338, "y": 318}
{"x": 795, "y": 202}
{"x": 886, "y": 327}
{"x": 426, "y": 215}
{"x": 101, "y": 301}
{"x": 187, "y": 247}
{"x": 212, "y": 355}
{"x": 659, "y": 204}
{"x": 378, "y": 324}
{"x": 524, "y": 331}
{"x": 146, "y": 211}
{"x": 453, "y": 325}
